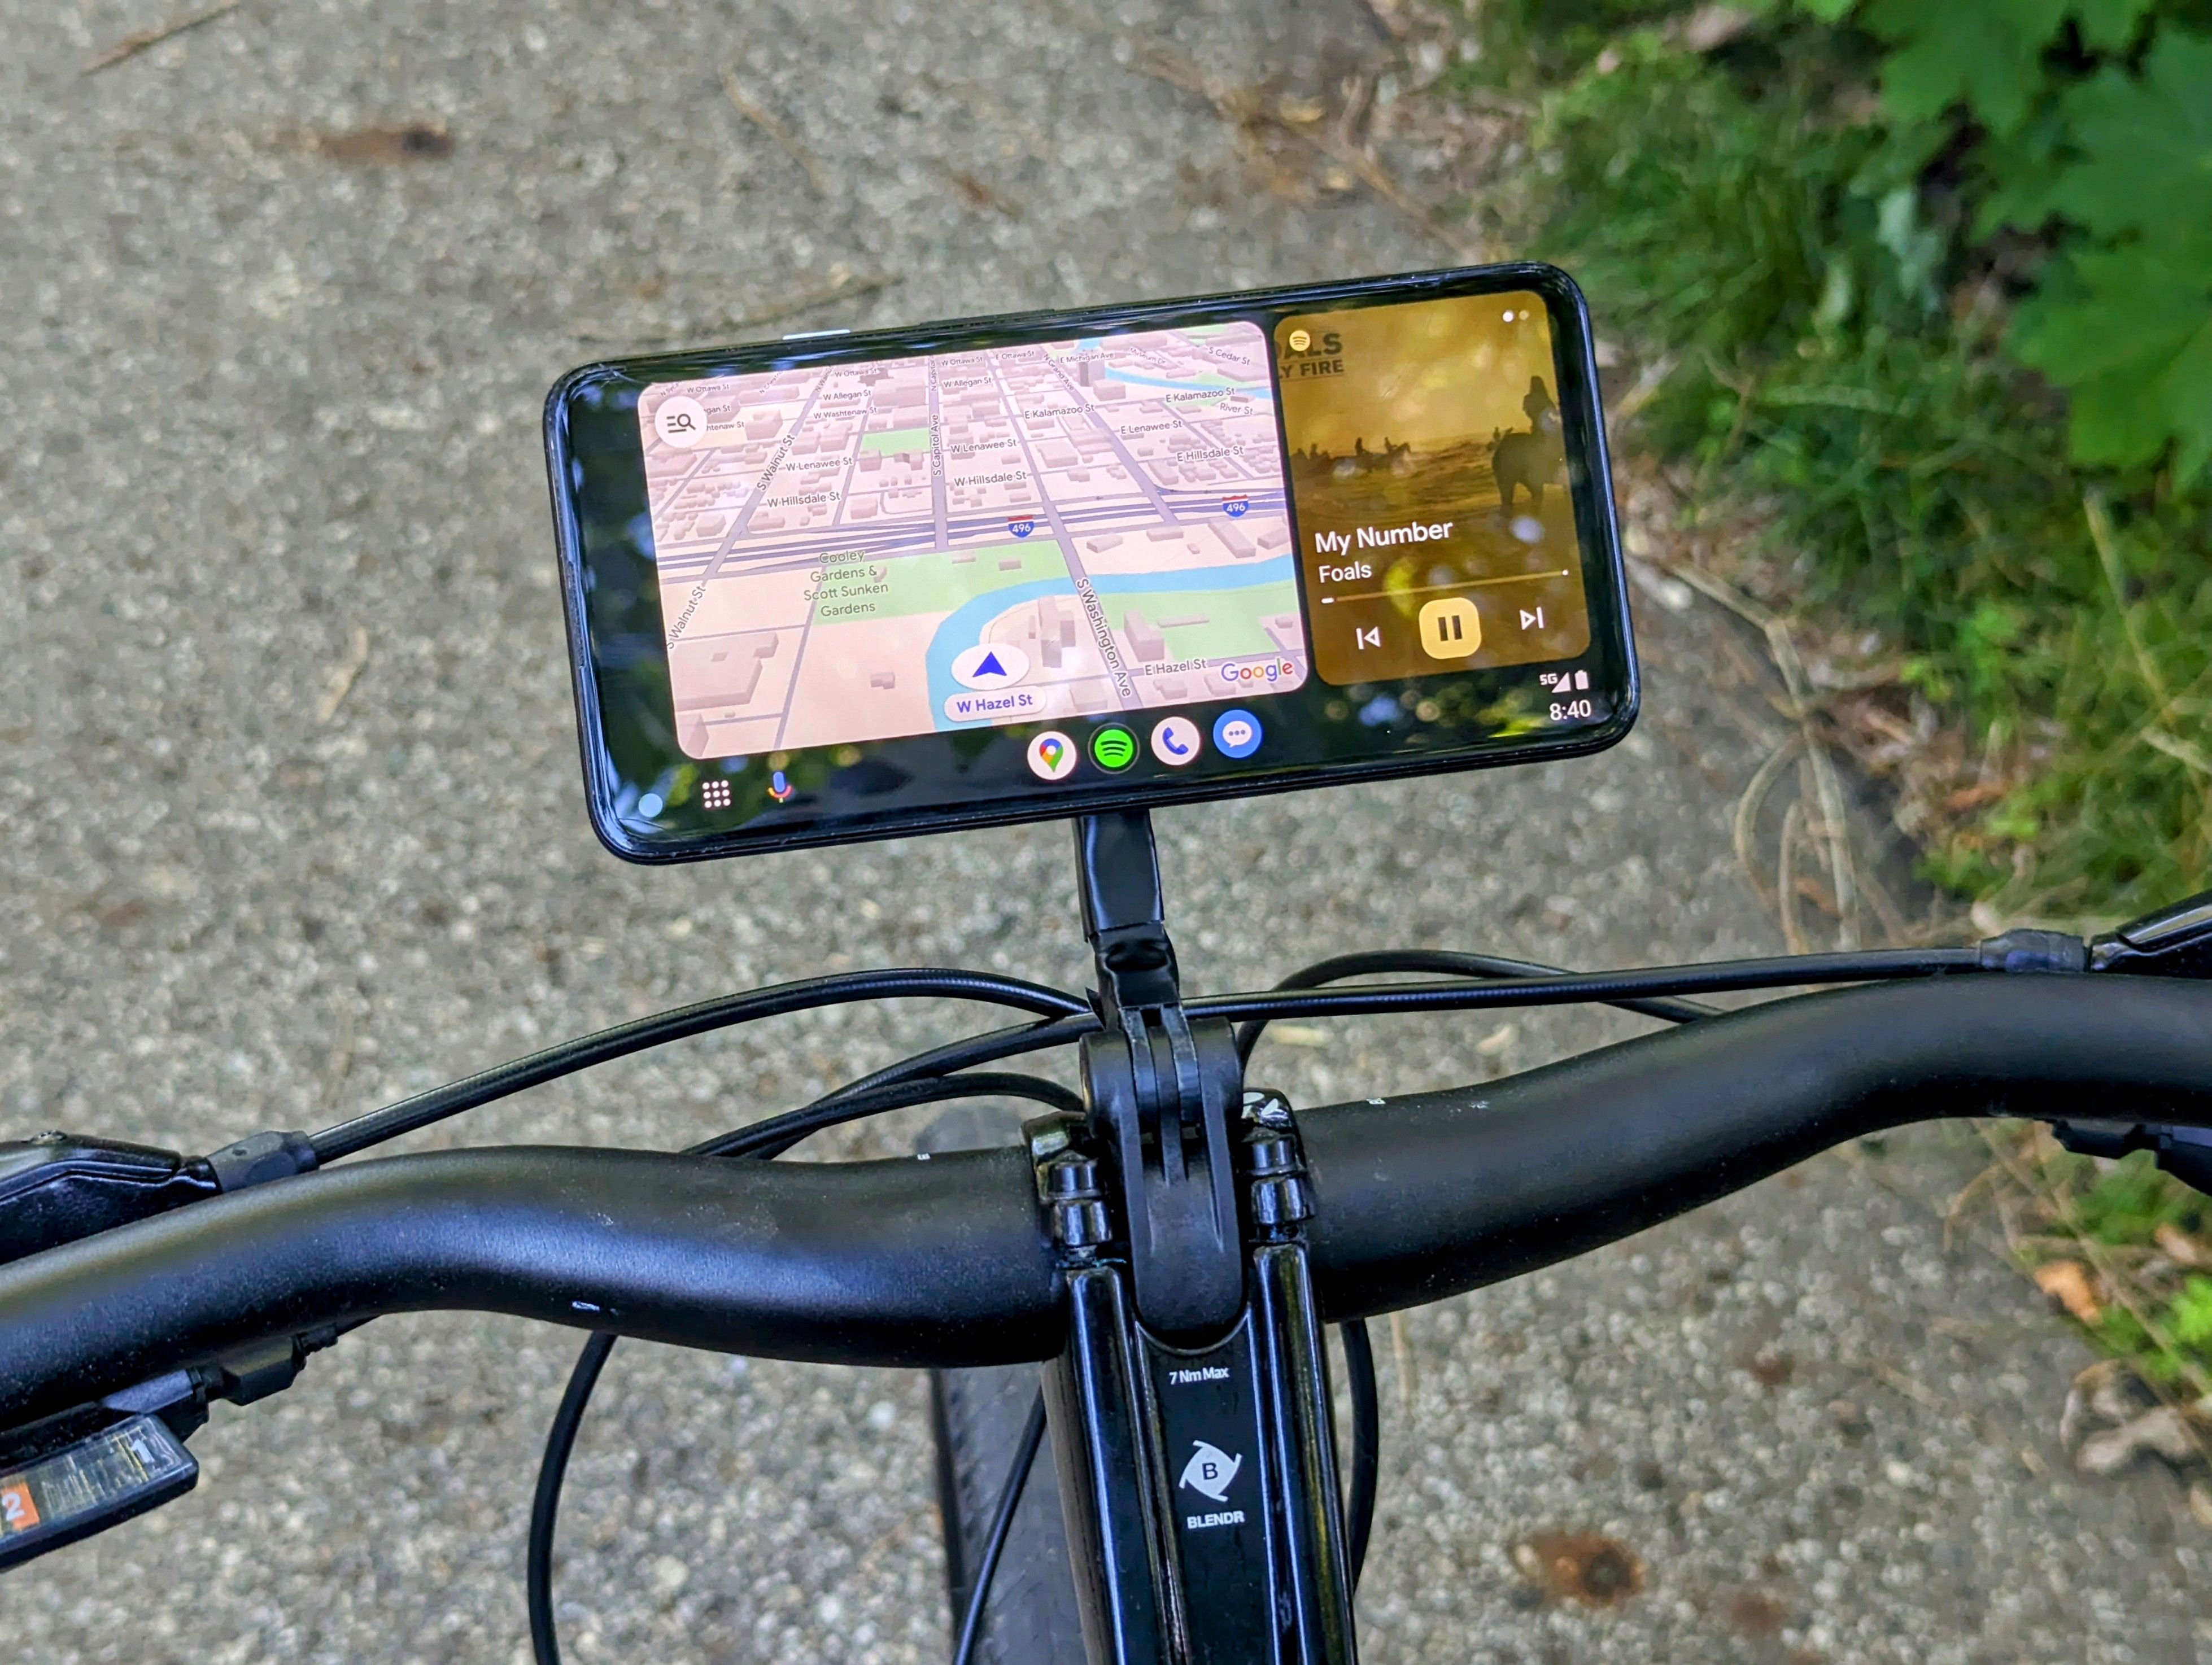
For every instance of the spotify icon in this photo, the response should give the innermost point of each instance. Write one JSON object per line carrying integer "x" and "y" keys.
{"x": 1113, "y": 748}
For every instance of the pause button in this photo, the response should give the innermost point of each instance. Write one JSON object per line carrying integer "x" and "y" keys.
{"x": 1451, "y": 629}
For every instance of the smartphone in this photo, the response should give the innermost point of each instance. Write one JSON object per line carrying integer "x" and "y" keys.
{"x": 847, "y": 586}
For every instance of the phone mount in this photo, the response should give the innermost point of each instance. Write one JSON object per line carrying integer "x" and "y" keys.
{"x": 1164, "y": 1091}
{"x": 1190, "y": 1408}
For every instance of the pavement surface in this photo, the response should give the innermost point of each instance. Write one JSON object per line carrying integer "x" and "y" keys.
{"x": 292, "y": 827}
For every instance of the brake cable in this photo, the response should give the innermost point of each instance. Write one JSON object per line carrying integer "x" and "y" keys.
{"x": 680, "y": 1022}
{"x": 1470, "y": 982}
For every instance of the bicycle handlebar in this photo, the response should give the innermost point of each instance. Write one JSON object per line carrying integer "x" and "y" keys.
{"x": 903, "y": 1263}
{"x": 945, "y": 1261}
{"x": 1418, "y": 1198}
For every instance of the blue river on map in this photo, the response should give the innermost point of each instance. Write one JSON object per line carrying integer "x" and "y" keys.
{"x": 964, "y": 626}
{"x": 1256, "y": 388}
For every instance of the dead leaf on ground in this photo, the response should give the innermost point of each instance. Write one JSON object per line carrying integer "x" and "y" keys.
{"x": 2067, "y": 1283}
{"x": 407, "y": 141}
{"x": 1587, "y": 1567}
{"x": 979, "y": 193}
{"x": 2179, "y": 1246}
{"x": 1710, "y": 27}
{"x": 1756, "y": 1614}
{"x": 338, "y": 681}
{"x": 2162, "y": 1432}
{"x": 2106, "y": 1393}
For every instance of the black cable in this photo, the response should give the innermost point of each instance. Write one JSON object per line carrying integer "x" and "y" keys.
{"x": 721, "y": 1012}
{"x": 1366, "y": 1438}
{"x": 545, "y": 1507}
{"x": 1781, "y": 971}
{"x": 762, "y": 1141}
{"x": 1002, "y": 1522}
{"x": 776, "y": 1135}
{"x": 1452, "y": 964}
{"x": 922, "y": 1079}
{"x": 926, "y": 1077}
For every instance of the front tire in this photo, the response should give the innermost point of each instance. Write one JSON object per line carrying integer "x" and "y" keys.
{"x": 1030, "y": 1617}
{"x": 978, "y": 1417}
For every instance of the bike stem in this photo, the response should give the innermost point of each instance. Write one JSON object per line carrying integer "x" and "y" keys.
{"x": 1190, "y": 1409}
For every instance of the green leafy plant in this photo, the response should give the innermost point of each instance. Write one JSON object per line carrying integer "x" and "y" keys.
{"x": 2124, "y": 319}
{"x": 2096, "y": 122}
{"x": 2189, "y": 1317}
{"x": 2118, "y": 1244}
{"x": 1926, "y": 305}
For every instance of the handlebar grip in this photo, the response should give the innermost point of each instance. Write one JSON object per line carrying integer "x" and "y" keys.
{"x": 944, "y": 1261}
{"x": 1416, "y": 1199}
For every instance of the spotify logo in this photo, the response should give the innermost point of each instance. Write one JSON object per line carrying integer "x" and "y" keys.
{"x": 1113, "y": 748}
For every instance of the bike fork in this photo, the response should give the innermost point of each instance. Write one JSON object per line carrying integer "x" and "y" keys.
{"x": 1190, "y": 1409}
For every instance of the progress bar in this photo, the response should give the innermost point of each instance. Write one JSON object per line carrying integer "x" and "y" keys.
{"x": 1464, "y": 584}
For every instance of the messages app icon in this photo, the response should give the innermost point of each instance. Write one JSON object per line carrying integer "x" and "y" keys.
{"x": 1237, "y": 733}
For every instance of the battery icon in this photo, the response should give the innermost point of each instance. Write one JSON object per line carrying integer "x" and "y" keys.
{"x": 1582, "y": 682}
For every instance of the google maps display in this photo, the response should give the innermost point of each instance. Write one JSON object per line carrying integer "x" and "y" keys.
{"x": 1022, "y": 534}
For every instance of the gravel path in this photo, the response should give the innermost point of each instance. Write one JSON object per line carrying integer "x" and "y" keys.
{"x": 292, "y": 827}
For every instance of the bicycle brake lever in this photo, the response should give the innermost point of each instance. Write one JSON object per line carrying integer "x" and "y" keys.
{"x": 71, "y": 1475}
{"x": 2184, "y": 1152}
{"x": 2173, "y": 942}
{"x": 60, "y": 1186}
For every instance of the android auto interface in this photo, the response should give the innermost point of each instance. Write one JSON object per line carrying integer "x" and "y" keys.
{"x": 842, "y": 586}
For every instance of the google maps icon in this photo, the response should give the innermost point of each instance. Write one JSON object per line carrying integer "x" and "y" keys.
{"x": 1052, "y": 756}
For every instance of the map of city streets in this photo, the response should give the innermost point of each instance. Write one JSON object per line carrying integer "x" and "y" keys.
{"x": 1016, "y": 534}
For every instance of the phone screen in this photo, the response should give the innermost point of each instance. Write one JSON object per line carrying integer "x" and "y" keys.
{"x": 826, "y": 589}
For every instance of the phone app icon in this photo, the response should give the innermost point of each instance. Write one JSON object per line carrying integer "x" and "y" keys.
{"x": 1052, "y": 756}
{"x": 1174, "y": 741}
{"x": 1237, "y": 733}
{"x": 1113, "y": 748}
